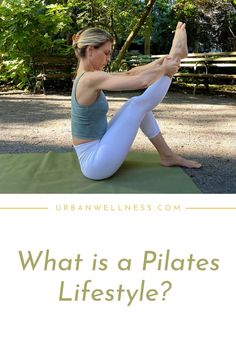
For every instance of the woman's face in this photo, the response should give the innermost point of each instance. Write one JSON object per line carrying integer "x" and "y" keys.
{"x": 101, "y": 56}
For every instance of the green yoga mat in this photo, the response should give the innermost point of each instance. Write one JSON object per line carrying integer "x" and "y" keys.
{"x": 54, "y": 172}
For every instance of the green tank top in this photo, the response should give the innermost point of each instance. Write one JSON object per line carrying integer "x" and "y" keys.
{"x": 88, "y": 122}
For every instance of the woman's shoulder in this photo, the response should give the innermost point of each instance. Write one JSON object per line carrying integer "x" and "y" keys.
{"x": 94, "y": 79}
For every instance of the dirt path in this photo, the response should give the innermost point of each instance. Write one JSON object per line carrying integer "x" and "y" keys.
{"x": 201, "y": 127}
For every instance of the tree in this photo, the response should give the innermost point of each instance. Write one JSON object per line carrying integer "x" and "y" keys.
{"x": 30, "y": 27}
{"x": 133, "y": 34}
{"x": 116, "y": 16}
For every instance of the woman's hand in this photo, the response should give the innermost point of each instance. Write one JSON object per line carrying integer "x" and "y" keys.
{"x": 170, "y": 65}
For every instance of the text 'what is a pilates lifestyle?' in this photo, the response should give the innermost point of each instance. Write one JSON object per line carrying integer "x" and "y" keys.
{"x": 149, "y": 263}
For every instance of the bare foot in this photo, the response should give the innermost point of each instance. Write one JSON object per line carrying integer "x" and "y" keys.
{"x": 176, "y": 160}
{"x": 179, "y": 49}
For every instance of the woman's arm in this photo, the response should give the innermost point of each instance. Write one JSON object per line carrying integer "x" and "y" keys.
{"x": 138, "y": 69}
{"x": 141, "y": 68}
{"x": 111, "y": 82}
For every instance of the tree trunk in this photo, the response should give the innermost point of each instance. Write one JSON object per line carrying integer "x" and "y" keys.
{"x": 133, "y": 34}
{"x": 147, "y": 35}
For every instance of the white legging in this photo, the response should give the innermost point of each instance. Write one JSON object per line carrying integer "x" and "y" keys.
{"x": 100, "y": 159}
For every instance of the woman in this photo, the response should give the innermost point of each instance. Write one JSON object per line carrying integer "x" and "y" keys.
{"x": 101, "y": 148}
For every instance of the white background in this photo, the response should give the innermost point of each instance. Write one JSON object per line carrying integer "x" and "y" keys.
{"x": 198, "y": 315}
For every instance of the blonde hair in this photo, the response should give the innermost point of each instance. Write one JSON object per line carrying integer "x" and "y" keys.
{"x": 95, "y": 37}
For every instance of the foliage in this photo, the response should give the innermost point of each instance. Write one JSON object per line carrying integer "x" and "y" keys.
{"x": 210, "y": 23}
{"x": 133, "y": 33}
{"x": 163, "y": 27}
{"x": 30, "y": 27}
{"x": 116, "y": 16}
